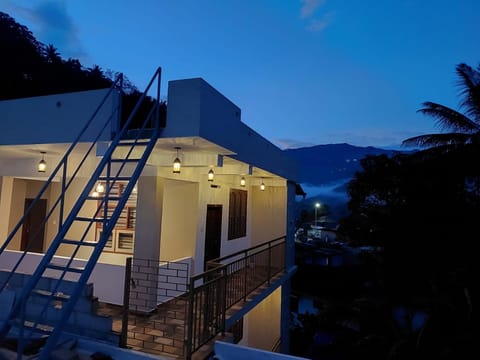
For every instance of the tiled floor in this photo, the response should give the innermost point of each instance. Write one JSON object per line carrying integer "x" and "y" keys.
{"x": 161, "y": 332}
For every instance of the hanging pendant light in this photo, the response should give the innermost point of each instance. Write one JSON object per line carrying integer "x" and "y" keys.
{"x": 177, "y": 163}
{"x": 100, "y": 188}
{"x": 262, "y": 186}
{"x": 211, "y": 175}
{"x": 242, "y": 181}
{"x": 42, "y": 164}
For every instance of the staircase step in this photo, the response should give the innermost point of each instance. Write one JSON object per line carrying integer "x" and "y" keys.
{"x": 45, "y": 293}
{"x": 32, "y": 319}
{"x": 110, "y": 198}
{"x": 133, "y": 143}
{"x": 114, "y": 178}
{"x": 53, "y": 266}
{"x": 76, "y": 242}
{"x": 31, "y": 326}
{"x": 99, "y": 220}
{"x": 125, "y": 160}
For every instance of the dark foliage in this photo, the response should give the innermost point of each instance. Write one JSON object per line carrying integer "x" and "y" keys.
{"x": 30, "y": 68}
{"x": 422, "y": 209}
{"x": 463, "y": 126}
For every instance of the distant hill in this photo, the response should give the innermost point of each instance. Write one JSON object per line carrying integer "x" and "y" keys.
{"x": 325, "y": 170}
{"x": 321, "y": 165}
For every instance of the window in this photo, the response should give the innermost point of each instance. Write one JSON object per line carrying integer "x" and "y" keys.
{"x": 237, "y": 214}
{"x": 123, "y": 235}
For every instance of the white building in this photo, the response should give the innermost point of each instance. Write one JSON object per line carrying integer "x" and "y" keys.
{"x": 172, "y": 225}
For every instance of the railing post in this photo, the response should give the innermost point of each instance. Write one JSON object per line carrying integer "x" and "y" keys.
{"x": 62, "y": 200}
{"x": 224, "y": 302}
{"x": 188, "y": 350}
{"x": 245, "y": 267}
{"x": 21, "y": 337}
{"x": 269, "y": 262}
{"x": 126, "y": 302}
{"x": 157, "y": 110}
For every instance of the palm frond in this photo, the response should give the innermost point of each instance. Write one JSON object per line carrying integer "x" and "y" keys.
{"x": 449, "y": 119}
{"x": 469, "y": 84}
{"x": 436, "y": 140}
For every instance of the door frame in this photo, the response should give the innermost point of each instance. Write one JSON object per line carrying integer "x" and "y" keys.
{"x": 213, "y": 229}
{"x": 33, "y": 221}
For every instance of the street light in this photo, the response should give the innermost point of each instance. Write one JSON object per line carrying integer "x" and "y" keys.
{"x": 317, "y": 206}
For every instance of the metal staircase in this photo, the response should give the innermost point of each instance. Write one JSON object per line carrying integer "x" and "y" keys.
{"x": 123, "y": 160}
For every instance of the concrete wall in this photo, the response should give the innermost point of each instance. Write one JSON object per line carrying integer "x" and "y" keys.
{"x": 16, "y": 210}
{"x": 218, "y": 196}
{"x": 269, "y": 212}
{"x": 59, "y": 117}
{"x": 5, "y": 202}
{"x": 179, "y": 220}
{"x": 262, "y": 323}
{"x": 12, "y": 204}
{"x": 108, "y": 279}
{"x": 195, "y": 108}
{"x": 184, "y": 216}
{"x": 149, "y": 217}
{"x": 224, "y": 350}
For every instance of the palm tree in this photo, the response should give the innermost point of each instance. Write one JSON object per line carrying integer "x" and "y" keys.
{"x": 51, "y": 55}
{"x": 463, "y": 127}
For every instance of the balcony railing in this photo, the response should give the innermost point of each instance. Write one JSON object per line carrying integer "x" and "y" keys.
{"x": 227, "y": 281}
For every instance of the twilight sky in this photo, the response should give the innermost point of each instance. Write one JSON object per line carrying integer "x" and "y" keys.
{"x": 304, "y": 72}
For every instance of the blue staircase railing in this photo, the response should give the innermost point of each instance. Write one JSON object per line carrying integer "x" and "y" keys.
{"x": 111, "y": 169}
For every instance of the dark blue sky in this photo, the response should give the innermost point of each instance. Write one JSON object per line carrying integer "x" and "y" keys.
{"x": 303, "y": 72}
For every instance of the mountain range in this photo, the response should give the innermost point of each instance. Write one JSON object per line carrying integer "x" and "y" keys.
{"x": 324, "y": 172}
{"x": 322, "y": 165}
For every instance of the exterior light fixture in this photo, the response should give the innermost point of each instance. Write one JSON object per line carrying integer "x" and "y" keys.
{"x": 262, "y": 186}
{"x": 317, "y": 206}
{"x": 42, "y": 164}
{"x": 177, "y": 163}
{"x": 242, "y": 181}
{"x": 211, "y": 175}
{"x": 135, "y": 189}
{"x": 95, "y": 193}
{"x": 100, "y": 188}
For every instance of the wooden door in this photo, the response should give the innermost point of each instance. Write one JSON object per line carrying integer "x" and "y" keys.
{"x": 33, "y": 231}
{"x": 213, "y": 233}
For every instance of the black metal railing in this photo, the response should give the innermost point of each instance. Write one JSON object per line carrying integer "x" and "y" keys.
{"x": 227, "y": 281}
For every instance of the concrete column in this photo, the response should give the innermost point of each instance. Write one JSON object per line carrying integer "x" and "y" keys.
{"x": 146, "y": 258}
{"x": 289, "y": 265}
{"x": 290, "y": 231}
{"x": 6, "y": 192}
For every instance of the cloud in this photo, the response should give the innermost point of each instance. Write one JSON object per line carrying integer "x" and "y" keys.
{"x": 291, "y": 143}
{"x": 59, "y": 28}
{"x": 317, "y": 25}
{"x": 309, "y": 7}
{"x": 51, "y": 23}
{"x": 381, "y": 138}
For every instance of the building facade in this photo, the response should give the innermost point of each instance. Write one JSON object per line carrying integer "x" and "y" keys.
{"x": 234, "y": 191}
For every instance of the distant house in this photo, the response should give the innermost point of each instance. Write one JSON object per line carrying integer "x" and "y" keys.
{"x": 111, "y": 194}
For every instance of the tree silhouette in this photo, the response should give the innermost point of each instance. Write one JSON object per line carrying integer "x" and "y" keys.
{"x": 464, "y": 127}
{"x": 20, "y": 60}
{"x": 29, "y": 68}
{"x": 51, "y": 55}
